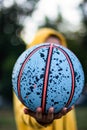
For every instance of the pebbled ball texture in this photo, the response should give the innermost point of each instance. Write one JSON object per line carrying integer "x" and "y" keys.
{"x": 48, "y": 75}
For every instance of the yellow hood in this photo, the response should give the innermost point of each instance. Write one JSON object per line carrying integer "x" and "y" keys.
{"x": 43, "y": 34}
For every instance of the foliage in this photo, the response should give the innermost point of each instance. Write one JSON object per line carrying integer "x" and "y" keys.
{"x": 11, "y": 46}
{"x": 76, "y": 42}
{"x": 81, "y": 114}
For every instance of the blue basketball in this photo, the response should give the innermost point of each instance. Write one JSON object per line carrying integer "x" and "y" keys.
{"x": 48, "y": 75}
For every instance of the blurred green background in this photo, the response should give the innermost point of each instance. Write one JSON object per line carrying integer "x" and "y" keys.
{"x": 12, "y": 16}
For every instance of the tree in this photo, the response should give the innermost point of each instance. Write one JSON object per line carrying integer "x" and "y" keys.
{"x": 11, "y": 45}
{"x": 76, "y": 42}
{"x": 83, "y": 7}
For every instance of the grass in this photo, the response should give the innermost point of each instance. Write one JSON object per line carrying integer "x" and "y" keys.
{"x": 7, "y": 121}
{"x": 81, "y": 114}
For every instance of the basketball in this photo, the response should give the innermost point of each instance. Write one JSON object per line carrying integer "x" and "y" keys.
{"x": 48, "y": 75}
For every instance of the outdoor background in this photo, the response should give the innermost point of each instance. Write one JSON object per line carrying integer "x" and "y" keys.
{"x": 19, "y": 21}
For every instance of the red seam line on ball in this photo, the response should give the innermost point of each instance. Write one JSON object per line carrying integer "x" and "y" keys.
{"x": 72, "y": 74}
{"x": 46, "y": 77}
{"x": 22, "y": 67}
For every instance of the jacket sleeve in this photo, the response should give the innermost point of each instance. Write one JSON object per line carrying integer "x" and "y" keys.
{"x": 23, "y": 120}
{"x": 69, "y": 121}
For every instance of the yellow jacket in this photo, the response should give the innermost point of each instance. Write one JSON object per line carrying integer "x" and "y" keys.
{"x": 25, "y": 122}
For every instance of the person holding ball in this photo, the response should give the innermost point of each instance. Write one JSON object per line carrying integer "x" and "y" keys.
{"x": 28, "y": 120}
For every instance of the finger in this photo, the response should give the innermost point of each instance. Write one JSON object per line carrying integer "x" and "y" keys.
{"x": 25, "y": 111}
{"x": 71, "y": 108}
{"x": 58, "y": 116}
{"x": 61, "y": 113}
{"x": 50, "y": 114}
{"x": 64, "y": 111}
{"x": 28, "y": 112}
{"x": 39, "y": 113}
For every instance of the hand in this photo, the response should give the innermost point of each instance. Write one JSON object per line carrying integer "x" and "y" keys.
{"x": 45, "y": 119}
